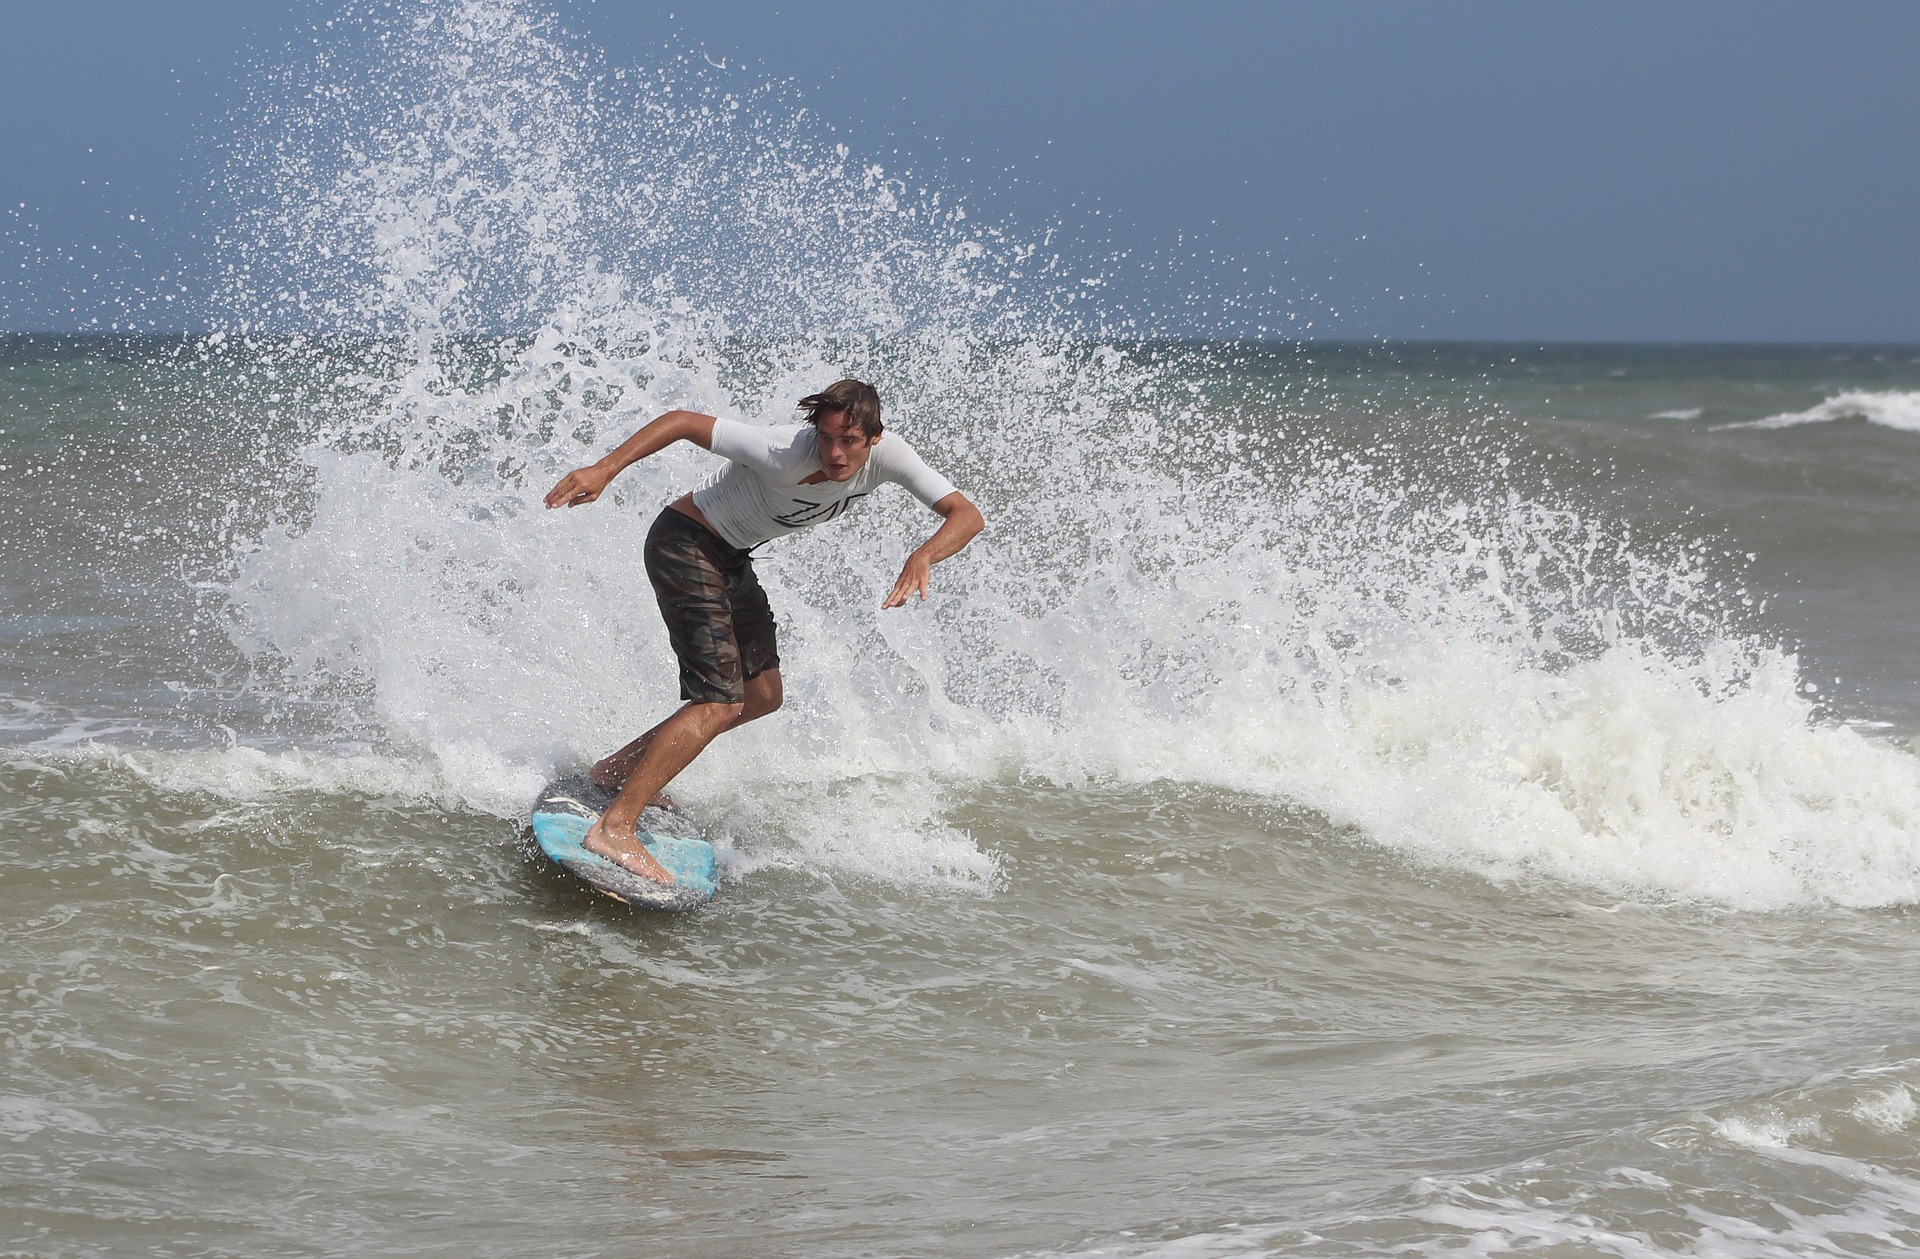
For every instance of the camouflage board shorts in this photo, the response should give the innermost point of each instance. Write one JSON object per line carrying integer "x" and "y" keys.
{"x": 716, "y": 613}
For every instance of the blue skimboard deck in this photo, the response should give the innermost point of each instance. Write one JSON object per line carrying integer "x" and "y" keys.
{"x": 571, "y": 805}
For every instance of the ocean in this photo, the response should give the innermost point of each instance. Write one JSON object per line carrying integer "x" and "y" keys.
{"x": 1355, "y": 799}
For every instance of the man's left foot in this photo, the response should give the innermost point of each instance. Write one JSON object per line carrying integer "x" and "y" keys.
{"x": 629, "y": 854}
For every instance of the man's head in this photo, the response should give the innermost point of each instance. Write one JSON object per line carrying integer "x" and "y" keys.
{"x": 846, "y": 415}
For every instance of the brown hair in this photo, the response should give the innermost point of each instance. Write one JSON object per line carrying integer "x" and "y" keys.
{"x": 856, "y": 399}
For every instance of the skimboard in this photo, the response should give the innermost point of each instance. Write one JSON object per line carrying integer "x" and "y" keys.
{"x": 571, "y": 805}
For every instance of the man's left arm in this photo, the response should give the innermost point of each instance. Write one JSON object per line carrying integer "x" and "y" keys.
{"x": 961, "y": 523}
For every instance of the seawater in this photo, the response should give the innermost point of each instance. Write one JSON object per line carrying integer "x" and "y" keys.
{"x": 1356, "y": 799}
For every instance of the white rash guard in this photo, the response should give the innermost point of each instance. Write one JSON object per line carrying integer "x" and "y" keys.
{"x": 758, "y": 495}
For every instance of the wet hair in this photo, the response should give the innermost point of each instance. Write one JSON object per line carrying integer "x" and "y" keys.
{"x": 856, "y": 399}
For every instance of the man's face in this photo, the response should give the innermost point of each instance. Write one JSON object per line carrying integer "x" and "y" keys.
{"x": 843, "y": 447}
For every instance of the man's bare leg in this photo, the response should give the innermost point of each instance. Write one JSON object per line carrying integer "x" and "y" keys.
{"x": 612, "y": 770}
{"x": 654, "y": 759}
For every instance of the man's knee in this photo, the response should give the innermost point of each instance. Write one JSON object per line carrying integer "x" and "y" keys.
{"x": 718, "y": 713}
{"x": 764, "y": 695}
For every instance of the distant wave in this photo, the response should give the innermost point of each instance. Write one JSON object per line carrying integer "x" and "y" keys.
{"x": 1890, "y": 408}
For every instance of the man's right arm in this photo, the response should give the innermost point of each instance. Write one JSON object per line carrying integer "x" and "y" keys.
{"x": 583, "y": 485}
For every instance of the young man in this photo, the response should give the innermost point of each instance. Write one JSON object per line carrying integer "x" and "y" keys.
{"x": 778, "y": 480}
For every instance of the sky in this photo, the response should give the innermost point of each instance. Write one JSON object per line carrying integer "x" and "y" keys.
{"x": 1623, "y": 171}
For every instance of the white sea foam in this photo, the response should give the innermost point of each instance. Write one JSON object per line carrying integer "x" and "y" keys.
{"x": 1772, "y": 1130}
{"x": 1463, "y": 674}
{"x": 1765, "y": 1179}
{"x": 1888, "y": 408}
{"x": 1890, "y": 1110}
{"x": 251, "y": 774}
{"x": 22, "y": 1117}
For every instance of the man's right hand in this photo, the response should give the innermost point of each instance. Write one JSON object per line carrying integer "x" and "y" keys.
{"x": 579, "y": 487}
{"x": 582, "y": 485}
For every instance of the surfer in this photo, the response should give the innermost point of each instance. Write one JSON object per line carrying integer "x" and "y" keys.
{"x": 698, "y": 558}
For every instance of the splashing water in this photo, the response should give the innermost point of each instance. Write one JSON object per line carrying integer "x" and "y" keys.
{"x": 502, "y": 260}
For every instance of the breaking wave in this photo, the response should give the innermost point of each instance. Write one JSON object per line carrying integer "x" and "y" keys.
{"x": 492, "y": 258}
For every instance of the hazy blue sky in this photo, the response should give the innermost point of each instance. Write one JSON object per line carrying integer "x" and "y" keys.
{"x": 1474, "y": 170}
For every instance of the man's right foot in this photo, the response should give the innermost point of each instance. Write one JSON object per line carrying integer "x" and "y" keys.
{"x": 629, "y": 854}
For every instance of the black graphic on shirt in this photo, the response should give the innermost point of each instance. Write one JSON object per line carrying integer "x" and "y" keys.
{"x": 810, "y": 512}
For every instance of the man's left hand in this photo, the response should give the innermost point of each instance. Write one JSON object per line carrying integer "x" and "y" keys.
{"x": 913, "y": 580}
{"x": 960, "y": 522}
